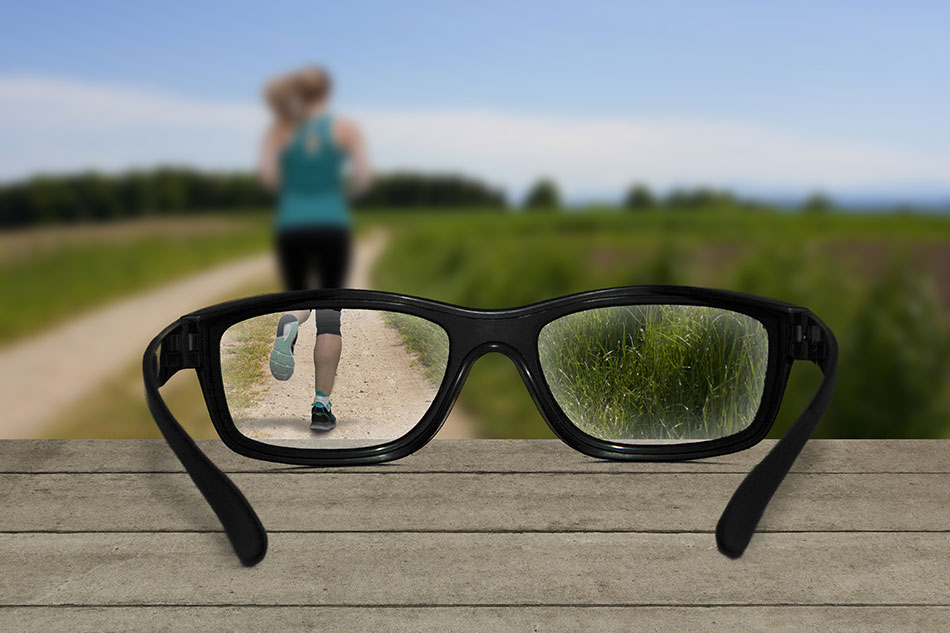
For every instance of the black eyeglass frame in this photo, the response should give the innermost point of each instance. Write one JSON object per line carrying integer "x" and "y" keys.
{"x": 794, "y": 333}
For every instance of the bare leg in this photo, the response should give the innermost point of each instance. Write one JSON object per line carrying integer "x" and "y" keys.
{"x": 326, "y": 358}
{"x": 301, "y": 315}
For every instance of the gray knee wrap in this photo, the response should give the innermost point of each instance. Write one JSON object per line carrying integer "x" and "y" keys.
{"x": 328, "y": 322}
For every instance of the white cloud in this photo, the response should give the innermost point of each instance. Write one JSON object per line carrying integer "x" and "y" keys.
{"x": 53, "y": 124}
{"x": 56, "y": 125}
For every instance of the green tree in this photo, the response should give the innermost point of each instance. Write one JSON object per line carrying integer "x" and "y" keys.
{"x": 96, "y": 197}
{"x": 543, "y": 196}
{"x": 135, "y": 191}
{"x": 409, "y": 190}
{"x": 699, "y": 198}
{"x": 639, "y": 198}
{"x": 49, "y": 199}
{"x": 817, "y": 203}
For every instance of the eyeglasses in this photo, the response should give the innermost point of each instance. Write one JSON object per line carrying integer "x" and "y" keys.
{"x": 641, "y": 373}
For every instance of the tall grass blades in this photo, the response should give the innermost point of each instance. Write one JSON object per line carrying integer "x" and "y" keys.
{"x": 657, "y": 372}
{"x": 423, "y": 339}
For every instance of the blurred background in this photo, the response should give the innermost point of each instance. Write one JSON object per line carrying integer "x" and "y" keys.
{"x": 798, "y": 151}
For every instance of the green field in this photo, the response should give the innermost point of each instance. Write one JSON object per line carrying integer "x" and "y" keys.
{"x": 49, "y": 276}
{"x": 117, "y": 409}
{"x": 881, "y": 281}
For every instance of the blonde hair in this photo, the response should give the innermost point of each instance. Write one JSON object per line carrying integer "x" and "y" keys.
{"x": 313, "y": 84}
{"x": 289, "y": 95}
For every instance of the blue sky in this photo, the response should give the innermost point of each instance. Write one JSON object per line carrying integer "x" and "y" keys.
{"x": 850, "y": 72}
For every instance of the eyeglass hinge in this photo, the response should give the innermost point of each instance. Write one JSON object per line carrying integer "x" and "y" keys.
{"x": 180, "y": 349}
{"x": 807, "y": 340}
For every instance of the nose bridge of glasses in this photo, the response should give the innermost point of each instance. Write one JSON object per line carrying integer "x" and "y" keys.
{"x": 479, "y": 336}
{"x": 514, "y": 353}
{"x": 514, "y": 338}
{"x": 494, "y": 347}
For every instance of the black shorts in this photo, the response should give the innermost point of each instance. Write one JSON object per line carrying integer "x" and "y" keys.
{"x": 314, "y": 257}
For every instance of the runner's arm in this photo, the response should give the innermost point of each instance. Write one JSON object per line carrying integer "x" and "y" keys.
{"x": 267, "y": 168}
{"x": 349, "y": 137}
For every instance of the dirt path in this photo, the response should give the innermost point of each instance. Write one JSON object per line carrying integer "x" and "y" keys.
{"x": 380, "y": 391}
{"x": 40, "y": 377}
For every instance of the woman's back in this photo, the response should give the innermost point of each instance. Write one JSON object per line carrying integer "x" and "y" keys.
{"x": 303, "y": 155}
{"x": 311, "y": 179}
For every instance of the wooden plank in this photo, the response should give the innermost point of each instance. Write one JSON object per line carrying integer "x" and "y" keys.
{"x": 360, "y": 500}
{"x": 387, "y": 569}
{"x": 494, "y": 619}
{"x": 838, "y": 456}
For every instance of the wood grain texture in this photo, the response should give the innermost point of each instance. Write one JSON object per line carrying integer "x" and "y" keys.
{"x": 468, "y": 456}
{"x": 558, "y": 502}
{"x": 395, "y": 568}
{"x": 786, "y": 619}
{"x": 475, "y": 535}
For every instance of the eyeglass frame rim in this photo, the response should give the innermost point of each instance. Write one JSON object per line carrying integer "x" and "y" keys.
{"x": 524, "y": 325}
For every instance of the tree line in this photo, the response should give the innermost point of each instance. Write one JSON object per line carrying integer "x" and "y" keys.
{"x": 92, "y": 196}
{"x": 405, "y": 190}
{"x": 545, "y": 196}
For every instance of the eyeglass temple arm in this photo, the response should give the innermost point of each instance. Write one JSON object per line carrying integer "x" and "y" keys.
{"x": 748, "y": 503}
{"x": 241, "y": 524}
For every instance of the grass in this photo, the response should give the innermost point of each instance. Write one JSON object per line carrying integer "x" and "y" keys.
{"x": 425, "y": 340}
{"x": 662, "y": 372}
{"x": 880, "y": 281}
{"x": 243, "y": 347}
{"x": 47, "y": 277}
{"x": 117, "y": 409}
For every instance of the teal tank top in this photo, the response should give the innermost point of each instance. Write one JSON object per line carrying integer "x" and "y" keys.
{"x": 311, "y": 173}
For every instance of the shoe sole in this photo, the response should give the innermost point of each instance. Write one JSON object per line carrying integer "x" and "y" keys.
{"x": 322, "y": 422}
{"x": 282, "y": 356}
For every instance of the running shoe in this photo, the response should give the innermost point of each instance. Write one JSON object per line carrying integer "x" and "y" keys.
{"x": 282, "y": 356}
{"x": 321, "y": 419}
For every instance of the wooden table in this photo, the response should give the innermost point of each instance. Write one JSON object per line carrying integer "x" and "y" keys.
{"x": 475, "y": 535}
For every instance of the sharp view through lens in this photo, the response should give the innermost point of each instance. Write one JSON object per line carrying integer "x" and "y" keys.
{"x": 487, "y": 157}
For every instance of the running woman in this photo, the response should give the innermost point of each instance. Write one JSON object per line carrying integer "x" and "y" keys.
{"x": 304, "y": 155}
